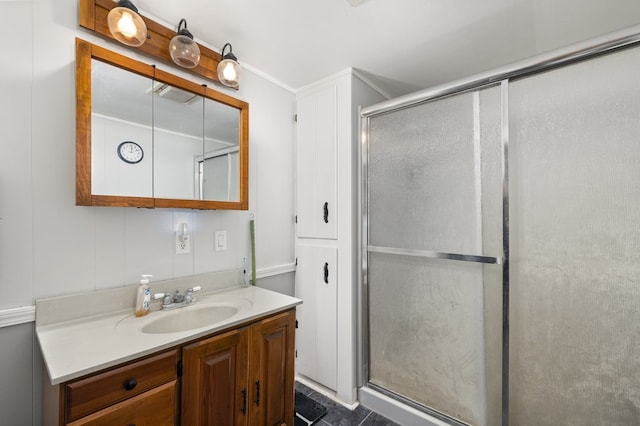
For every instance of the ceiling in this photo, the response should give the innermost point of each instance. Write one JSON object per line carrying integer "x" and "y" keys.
{"x": 400, "y": 45}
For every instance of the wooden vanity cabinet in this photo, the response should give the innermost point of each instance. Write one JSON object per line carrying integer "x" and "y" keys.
{"x": 243, "y": 377}
{"x": 239, "y": 377}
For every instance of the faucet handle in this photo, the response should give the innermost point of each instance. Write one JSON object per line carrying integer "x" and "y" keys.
{"x": 189, "y": 297}
{"x": 166, "y": 298}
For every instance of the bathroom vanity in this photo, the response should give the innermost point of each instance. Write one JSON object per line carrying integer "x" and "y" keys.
{"x": 114, "y": 368}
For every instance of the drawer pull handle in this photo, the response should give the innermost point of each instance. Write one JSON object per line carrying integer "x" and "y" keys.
{"x": 130, "y": 384}
{"x": 326, "y": 273}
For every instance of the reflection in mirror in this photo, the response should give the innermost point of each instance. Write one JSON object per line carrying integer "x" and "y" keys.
{"x": 219, "y": 166}
{"x": 120, "y": 112}
{"x": 178, "y": 139}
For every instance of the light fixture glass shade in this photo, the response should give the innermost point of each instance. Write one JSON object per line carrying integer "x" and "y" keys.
{"x": 229, "y": 68}
{"x": 126, "y": 25}
{"x": 183, "y": 50}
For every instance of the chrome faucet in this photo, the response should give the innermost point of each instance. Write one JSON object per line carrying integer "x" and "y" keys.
{"x": 177, "y": 300}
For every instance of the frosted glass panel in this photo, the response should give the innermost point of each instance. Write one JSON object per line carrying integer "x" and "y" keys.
{"x": 426, "y": 332}
{"x": 435, "y": 184}
{"x": 575, "y": 265}
{"x": 427, "y": 177}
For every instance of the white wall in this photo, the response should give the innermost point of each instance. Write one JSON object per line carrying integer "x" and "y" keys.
{"x": 49, "y": 246}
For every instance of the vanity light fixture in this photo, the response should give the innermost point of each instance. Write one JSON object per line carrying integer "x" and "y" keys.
{"x": 183, "y": 50}
{"x": 126, "y": 25}
{"x": 228, "y": 68}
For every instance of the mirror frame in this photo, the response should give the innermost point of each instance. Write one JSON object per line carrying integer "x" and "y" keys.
{"x": 85, "y": 52}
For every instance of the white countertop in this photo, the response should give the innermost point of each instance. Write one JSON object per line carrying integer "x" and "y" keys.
{"x": 74, "y": 348}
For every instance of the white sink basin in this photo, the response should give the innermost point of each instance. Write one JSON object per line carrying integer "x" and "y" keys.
{"x": 189, "y": 318}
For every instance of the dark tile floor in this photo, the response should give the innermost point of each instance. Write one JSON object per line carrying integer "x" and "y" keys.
{"x": 337, "y": 415}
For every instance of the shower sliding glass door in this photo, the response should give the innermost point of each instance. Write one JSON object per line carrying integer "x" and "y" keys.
{"x": 575, "y": 240}
{"x": 434, "y": 249}
{"x": 501, "y": 244}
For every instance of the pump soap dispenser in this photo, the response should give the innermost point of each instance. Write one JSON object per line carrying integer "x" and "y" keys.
{"x": 144, "y": 297}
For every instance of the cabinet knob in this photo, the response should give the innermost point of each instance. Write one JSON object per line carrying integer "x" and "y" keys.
{"x": 130, "y": 384}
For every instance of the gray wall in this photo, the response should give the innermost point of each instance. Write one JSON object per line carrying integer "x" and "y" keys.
{"x": 49, "y": 246}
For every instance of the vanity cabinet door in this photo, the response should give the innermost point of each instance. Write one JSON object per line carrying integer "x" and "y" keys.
{"x": 243, "y": 377}
{"x": 214, "y": 381}
{"x": 272, "y": 370}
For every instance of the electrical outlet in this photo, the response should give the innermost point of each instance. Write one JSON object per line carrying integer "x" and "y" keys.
{"x": 182, "y": 246}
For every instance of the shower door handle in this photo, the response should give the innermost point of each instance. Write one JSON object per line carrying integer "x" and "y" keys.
{"x": 326, "y": 272}
{"x": 325, "y": 212}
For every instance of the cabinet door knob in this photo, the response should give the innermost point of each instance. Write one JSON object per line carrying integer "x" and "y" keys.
{"x": 130, "y": 384}
{"x": 244, "y": 402}
{"x": 326, "y": 273}
{"x": 326, "y": 212}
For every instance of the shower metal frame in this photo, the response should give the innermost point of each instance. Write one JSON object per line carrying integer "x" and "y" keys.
{"x": 608, "y": 43}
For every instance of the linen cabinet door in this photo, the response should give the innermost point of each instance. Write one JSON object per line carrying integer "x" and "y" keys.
{"x": 317, "y": 333}
{"x": 272, "y": 371}
{"x": 317, "y": 142}
{"x": 214, "y": 381}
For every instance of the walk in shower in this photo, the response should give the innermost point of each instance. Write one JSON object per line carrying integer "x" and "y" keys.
{"x": 501, "y": 246}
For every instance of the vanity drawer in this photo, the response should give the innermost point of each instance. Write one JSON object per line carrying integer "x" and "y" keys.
{"x": 152, "y": 408}
{"x": 98, "y": 391}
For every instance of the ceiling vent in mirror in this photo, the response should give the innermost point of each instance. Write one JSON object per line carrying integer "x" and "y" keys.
{"x": 172, "y": 93}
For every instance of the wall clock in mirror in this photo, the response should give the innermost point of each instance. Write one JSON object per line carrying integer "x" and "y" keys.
{"x": 130, "y": 152}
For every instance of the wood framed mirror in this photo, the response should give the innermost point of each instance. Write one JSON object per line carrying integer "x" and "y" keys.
{"x": 148, "y": 138}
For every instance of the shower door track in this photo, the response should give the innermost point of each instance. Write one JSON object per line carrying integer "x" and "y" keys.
{"x": 608, "y": 43}
{"x": 428, "y": 410}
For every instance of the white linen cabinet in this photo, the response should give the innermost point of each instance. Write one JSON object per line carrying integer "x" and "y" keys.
{"x": 326, "y": 204}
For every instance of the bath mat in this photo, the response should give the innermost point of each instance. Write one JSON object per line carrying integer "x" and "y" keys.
{"x": 307, "y": 410}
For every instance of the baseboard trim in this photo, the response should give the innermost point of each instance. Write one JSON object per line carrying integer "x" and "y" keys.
{"x": 325, "y": 391}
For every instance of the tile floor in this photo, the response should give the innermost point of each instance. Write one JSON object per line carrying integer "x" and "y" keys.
{"x": 337, "y": 415}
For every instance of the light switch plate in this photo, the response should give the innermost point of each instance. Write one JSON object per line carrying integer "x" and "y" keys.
{"x": 220, "y": 240}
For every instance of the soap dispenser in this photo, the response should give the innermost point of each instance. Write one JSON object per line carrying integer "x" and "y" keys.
{"x": 144, "y": 297}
